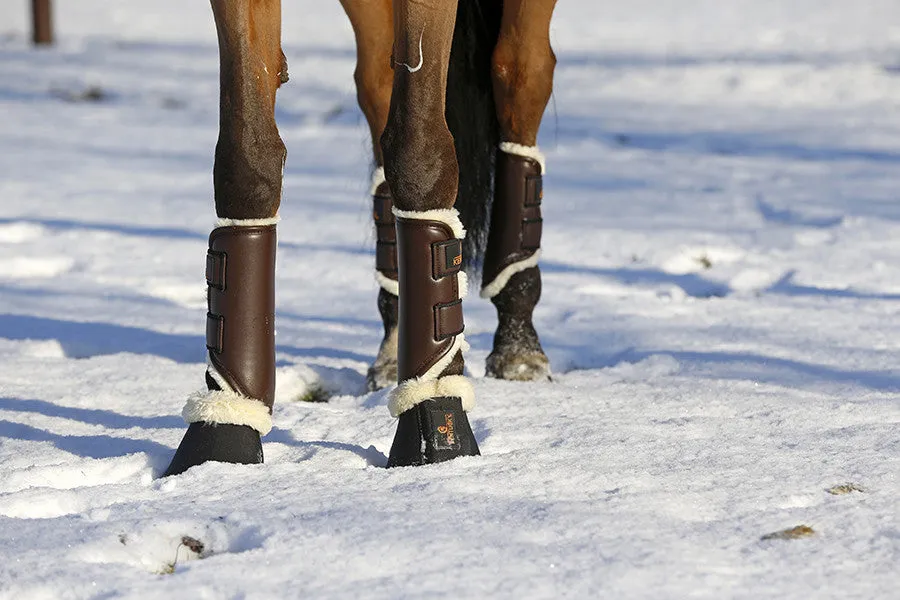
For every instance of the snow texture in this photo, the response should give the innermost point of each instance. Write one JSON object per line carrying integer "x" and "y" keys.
{"x": 721, "y": 307}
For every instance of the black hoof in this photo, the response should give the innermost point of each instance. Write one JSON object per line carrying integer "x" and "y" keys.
{"x": 205, "y": 442}
{"x": 433, "y": 431}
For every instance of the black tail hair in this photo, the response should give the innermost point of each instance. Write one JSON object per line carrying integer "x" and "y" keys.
{"x": 472, "y": 117}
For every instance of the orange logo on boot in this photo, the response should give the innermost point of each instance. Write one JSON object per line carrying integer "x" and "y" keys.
{"x": 447, "y": 430}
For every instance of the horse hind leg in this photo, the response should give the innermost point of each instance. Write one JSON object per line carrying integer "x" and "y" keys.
{"x": 433, "y": 396}
{"x": 227, "y": 420}
{"x": 373, "y": 27}
{"x": 523, "y": 64}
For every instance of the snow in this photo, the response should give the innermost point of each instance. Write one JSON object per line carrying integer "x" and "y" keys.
{"x": 721, "y": 308}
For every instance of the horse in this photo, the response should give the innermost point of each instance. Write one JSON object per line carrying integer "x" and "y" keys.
{"x": 453, "y": 93}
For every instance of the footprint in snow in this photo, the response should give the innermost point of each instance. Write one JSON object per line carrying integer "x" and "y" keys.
{"x": 49, "y": 491}
{"x": 160, "y": 547}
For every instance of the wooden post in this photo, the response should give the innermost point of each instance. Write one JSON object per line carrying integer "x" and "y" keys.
{"x": 42, "y": 20}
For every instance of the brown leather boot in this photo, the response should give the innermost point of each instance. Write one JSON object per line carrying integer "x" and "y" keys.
{"x": 433, "y": 396}
{"x": 227, "y": 420}
{"x": 383, "y": 371}
{"x": 511, "y": 277}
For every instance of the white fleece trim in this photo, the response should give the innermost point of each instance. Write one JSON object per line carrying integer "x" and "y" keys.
{"x": 377, "y": 179}
{"x": 447, "y": 216}
{"x": 459, "y": 345}
{"x": 225, "y": 222}
{"x": 216, "y": 376}
{"x": 389, "y": 285}
{"x": 227, "y": 407}
{"x": 531, "y": 152}
{"x": 415, "y": 391}
{"x": 500, "y": 281}
{"x": 462, "y": 282}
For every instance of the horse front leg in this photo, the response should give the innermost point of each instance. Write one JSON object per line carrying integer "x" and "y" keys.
{"x": 227, "y": 420}
{"x": 523, "y": 65}
{"x": 433, "y": 396}
{"x": 373, "y": 26}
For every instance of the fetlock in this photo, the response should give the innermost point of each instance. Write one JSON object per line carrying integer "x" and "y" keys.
{"x": 517, "y": 354}
{"x": 511, "y": 278}
{"x": 433, "y": 396}
{"x": 227, "y": 420}
{"x": 383, "y": 372}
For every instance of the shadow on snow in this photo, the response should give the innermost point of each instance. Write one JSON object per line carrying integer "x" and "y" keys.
{"x": 90, "y": 416}
{"x": 87, "y": 446}
{"x": 756, "y": 367}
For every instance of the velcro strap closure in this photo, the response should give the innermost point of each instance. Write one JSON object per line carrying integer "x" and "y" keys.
{"x": 385, "y": 232}
{"x": 446, "y": 258}
{"x": 386, "y": 256}
{"x": 215, "y": 269}
{"x": 531, "y": 233}
{"x": 534, "y": 190}
{"x": 382, "y": 212}
{"x": 448, "y": 320}
{"x": 215, "y": 332}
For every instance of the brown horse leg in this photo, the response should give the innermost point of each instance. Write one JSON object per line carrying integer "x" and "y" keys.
{"x": 373, "y": 25}
{"x": 421, "y": 169}
{"x": 523, "y": 64}
{"x": 226, "y": 421}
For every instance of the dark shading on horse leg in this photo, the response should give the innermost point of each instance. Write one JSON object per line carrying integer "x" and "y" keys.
{"x": 421, "y": 169}
{"x": 517, "y": 353}
{"x": 523, "y": 65}
{"x": 250, "y": 155}
{"x": 227, "y": 420}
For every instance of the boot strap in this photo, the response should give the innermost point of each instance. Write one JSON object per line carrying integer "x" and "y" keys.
{"x": 215, "y": 269}
{"x": 215, "y": 332}
{"x": 448, "y": 320}
{"x": 215, "y": 278}
{"x": 386, "y": 258}
{"x": 385, "y": 232}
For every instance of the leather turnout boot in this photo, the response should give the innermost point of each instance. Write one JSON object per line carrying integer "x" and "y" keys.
{"x": 514, "y": 241}
{"x": 227, "y": 420}
{"x": 383, "y": 372}
{"x": 433, "y": 396}
{"x": 512, "y": 278}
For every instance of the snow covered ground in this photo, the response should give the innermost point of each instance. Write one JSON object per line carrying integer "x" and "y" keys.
{"x": 721, "y": 307}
